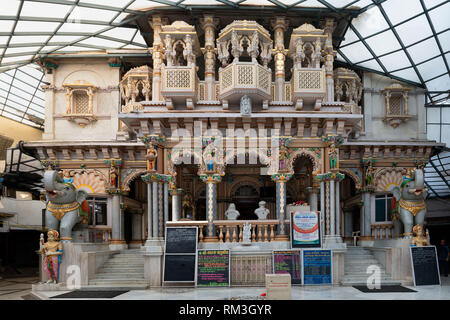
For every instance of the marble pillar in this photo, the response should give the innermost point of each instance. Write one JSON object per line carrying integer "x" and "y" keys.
{"x": 367, "y": 216}
{"x": 149, "y": 211}
{"x": 281, "y": 188}
{"x": 332, "y": 214}
{"x": 312, "y": 198}
{"x": 157, "y": 52}
{"x": 279, "y": 25}
{"x": 166, "y": 204}
{"x": 176, "y": 204}
{"x": 116, "y": 219}
{"x": 338, "y": 209}
{"x": 155, "y": 213}
{"x": 209, "y": 24}
{"x": 211, "y": 211}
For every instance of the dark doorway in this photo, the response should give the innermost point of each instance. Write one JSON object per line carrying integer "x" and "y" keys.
{"x": 246, "y": 199}
{"x": 128, "y": 226}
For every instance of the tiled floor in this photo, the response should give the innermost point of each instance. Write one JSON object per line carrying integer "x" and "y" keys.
{"x": 16, "y": 288}
{"x": 298, "y": 293}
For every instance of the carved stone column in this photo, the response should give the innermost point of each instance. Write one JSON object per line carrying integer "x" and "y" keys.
{"x": 157, "y": 52}
{"x": 176, "y": 203}
{"x": 312, "y": 197}
{"x": 209, "y": 24}
{"x": 211, "y": 181}
{"x": 279, "y": 25}
{"x": 281, "y": 180}
{"x": 329, "y": 25}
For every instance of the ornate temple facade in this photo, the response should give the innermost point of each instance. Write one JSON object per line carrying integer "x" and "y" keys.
{"x": 230, "y": 111}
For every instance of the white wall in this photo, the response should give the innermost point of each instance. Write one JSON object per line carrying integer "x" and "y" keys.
{"x": 375, "y": 111}
{"x": 26, "y": 212}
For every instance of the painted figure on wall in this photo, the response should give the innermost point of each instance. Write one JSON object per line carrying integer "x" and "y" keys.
{"x": 52, "y": 251}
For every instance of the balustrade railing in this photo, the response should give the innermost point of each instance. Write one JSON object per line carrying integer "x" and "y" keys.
{"x": 231, "y": 231}
{"x": 382, "y": 231}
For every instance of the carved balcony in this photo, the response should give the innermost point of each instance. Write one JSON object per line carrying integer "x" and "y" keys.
{"x": 179, "y": 83}
{"x": 308, "y": 86}
{"x": 245, "y": 78}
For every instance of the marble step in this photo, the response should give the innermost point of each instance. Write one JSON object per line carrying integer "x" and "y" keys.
{"x": 128, "y": 258}
{"x": 361, "y": 262}
{"x": 120, "y": 269}
{"x": 115, "y": 287}
{"x": 361, "y": 269}
{"x": 364, "y": 283}
{"x": 115, "y": 282}
{"x": 113, "y": 276}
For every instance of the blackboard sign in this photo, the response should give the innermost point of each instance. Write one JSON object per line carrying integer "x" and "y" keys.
{"x": 180, "y": 254}
{"x": 317, "y": 267}
{"x": 288, "y": 262}
{"x": 179, "y": 268}
{"x": 181, "y": 240}
{"x": 213, "y": 268}
{"x": 425, "y": 266}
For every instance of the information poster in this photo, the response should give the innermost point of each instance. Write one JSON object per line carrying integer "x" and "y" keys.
{"x": 305, "y": 229}
{"x": 288, "y": 261}
{"x": 425, "y": 266}
{"x": 213, "y": 268}
{"x": 317, "y": 267}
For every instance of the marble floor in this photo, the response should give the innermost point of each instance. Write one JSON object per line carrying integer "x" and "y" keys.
{"x": 298, "y": 293}
{"x": 16, "y": 288}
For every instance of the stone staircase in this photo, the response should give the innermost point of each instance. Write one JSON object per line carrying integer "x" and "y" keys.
{"x": 356, "y": 260}
{"x": 122, "y": 270}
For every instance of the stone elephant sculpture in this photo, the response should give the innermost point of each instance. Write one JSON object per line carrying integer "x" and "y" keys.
{"x": 409, "y": 207}
{"x": 66, "y": 206}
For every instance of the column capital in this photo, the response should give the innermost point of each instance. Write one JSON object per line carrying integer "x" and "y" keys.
{"x": 330, "y": 176}
{"x": 279, "y": 22}
{"x": 330, "y": 139}
{"x": 210, "y": 178}
{"x": 156, "y": 177}
{"x": 153, "y": 139}
{"x": 208, "y": 21}
{"x": 281, "y": 176}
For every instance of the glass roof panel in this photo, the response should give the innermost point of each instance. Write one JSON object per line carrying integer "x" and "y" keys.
{"x": 424, "y": 50}
{"x": 144, "y": 4}
{"x": 46, "y": 10}
{"x": 407, "y": 11}
{"x": 370, "y": 22}
{"x": 371, "y": 64}
{"x": 357, "y": 52}
{"x": 444, "y": 39}
{"x": 82, "y": 13}
{"x": 432, "y": 3}
{"x": 36, "y": 26}
{"x": 439, "y": 84}
{"x": 408, "y": 74}
{"x": 414, "y": 30}
{"x": 440, "y": 17}
{"x": 432, "y": 68}
{"x": 383, "y": 43}
{"x": 395, "y": 61}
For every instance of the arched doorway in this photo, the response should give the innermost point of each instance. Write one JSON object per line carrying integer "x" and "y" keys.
{"x": 302, "y": 179}
{"x": 246, "y": 198}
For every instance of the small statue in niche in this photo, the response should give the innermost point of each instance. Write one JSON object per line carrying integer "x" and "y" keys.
{"x": 246, "y": 233}
{"x": 232, "y": 213}
{"x": 284, "y": 155}
{"x": 52, "y": 251}
{"x": 151, "y": 158}
{"x": 419, "y": 240}
{"x": 332, "y": 154}
{"x": 369, "y": 175}
{"x": 246, "y": 106}
{"x": 262, "y": 212}
{"x": 113, "y": 176}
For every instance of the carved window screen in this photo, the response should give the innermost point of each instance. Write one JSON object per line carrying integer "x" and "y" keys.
{"x": 396, "y": 105}
{"x": 80, "y": 102}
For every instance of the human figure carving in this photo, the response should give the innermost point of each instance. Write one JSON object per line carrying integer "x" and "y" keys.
{"x": 262, "y": 212}
{"x": 52, "y": 251}
{"x": 232, "y": 213}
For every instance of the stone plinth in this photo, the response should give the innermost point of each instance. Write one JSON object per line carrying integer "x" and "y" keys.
{"x": 153, "y": 262}
{"x": 278, "y": 286}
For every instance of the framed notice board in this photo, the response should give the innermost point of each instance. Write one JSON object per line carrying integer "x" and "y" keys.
{"x": 288, "y": 261}
{"x": 317, "y": 267}
{"x": 425, "y": 267}
{"x": 213, "y": 268}
{"x": 305, "y": 229}
{"x": 180, "y": 255}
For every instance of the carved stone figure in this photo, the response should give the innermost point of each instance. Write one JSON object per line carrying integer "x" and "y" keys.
{"x": 151, "y": 158}
{"x": 246, "y": 106}
{"x": 262, "y": 212}
{"x": 283, "y": 157}
{"x": 232, "y": 213}
{"x": 66, "y": 206}
{"x": 411, "y": 201}
{"x": 420, "y": 239}
{"x": 332, "y": 154}
{"x": 246, "y": 233}
{"x": 52, "y": 251}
